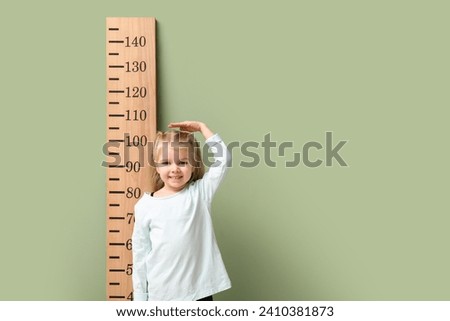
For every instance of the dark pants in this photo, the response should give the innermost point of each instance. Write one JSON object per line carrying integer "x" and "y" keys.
{"x": 208, "y": 298}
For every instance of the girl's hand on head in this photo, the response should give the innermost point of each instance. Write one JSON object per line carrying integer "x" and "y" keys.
{"x": 189, "y": 126}
{"x": 193, "y": 126}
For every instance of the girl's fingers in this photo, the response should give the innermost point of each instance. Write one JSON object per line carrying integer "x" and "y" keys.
{"x": 183, "y": 125}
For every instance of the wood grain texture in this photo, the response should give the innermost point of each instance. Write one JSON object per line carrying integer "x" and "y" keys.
{"x": 131, "y": 120}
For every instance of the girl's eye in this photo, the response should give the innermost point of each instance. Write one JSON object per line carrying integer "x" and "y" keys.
{"x": 183, "y": 163}
{"x": 164, "y": 163}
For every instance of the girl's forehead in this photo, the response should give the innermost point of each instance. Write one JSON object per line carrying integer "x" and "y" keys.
{"x": 165, "y": 151}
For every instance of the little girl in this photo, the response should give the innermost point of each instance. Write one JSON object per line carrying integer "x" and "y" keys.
{"x": 175, "y": 253}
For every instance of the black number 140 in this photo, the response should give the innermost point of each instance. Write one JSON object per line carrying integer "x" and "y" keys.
{"x": 136, "y": 41}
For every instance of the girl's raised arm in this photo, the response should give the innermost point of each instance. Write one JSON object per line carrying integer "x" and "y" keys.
{"x": 222, "y": 157}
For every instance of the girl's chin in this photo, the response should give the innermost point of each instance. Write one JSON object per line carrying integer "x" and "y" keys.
{"x": 175, "y": 185}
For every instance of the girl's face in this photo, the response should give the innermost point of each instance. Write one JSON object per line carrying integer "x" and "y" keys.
{"x": 174, "y": 168}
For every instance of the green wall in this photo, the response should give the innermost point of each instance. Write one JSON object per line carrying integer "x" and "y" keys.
{"x": 374, "y": 73}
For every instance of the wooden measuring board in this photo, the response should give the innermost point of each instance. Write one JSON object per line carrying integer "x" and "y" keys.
{"x": 131, "y": 126}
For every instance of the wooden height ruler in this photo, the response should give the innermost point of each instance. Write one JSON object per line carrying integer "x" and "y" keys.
{"x": 131, "y": 126}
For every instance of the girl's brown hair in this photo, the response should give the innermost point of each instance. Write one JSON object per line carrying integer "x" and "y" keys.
{"x": 176, "y": 139}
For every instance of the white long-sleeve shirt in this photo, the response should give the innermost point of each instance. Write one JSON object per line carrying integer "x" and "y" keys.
{"x": 175, "y": 253}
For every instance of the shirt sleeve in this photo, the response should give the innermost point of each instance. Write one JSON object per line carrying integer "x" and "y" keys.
{"x": 222, "y": 161}
{"x": 141, "y": 247}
